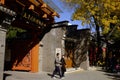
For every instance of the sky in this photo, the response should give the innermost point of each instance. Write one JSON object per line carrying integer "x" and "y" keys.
{"x": 66, "y": 14}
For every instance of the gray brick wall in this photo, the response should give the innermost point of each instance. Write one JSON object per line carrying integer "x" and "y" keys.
{"x": 2, "y": 51}
{"x": 49, "y": 43}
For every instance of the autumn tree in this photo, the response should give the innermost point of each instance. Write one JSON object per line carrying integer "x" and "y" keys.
{"x": 102, "y": 14}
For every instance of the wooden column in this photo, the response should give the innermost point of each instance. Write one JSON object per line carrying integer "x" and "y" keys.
{"x": 2, "y": 1}
{"x": 34, "y": 55}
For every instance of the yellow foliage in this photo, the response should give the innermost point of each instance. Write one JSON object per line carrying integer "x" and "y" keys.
{"x": 105, "y": 12}
{"x": 114, "y": 17}
{"x": 106, "y": 30}
{"x": 68, "y": 0}
{"x": 113, "y": 21}
{"x": 93, "y": 12}
{"x": 118, "y": 28}
{"x": 107, "y": 23}
{"x": 113, "y": 8}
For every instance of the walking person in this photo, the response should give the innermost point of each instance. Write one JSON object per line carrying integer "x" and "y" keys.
{"x": 57, "y": 66}
{"x": 63, "y": 68}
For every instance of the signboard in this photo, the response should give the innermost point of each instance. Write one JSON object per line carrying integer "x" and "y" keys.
{"x": 58, "y": 50}
{"x": 30, "y": 16}
{"x": 2, "y": 52}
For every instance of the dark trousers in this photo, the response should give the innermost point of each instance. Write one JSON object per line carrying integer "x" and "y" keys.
{"x": 63, "y": 69}
{"x": 57, "y": 70}
{"x": 63, "y": 73}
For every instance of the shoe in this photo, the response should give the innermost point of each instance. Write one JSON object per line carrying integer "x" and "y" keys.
{"x": 53, "y": 77}
{"x": 62, "y": 78}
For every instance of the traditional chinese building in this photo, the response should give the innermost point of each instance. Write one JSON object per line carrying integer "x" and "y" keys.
{"x": 36, "y": 18}
{"x": 76, "y": 47}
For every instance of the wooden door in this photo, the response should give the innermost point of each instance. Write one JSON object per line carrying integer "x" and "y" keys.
{"x": 21, "y": 55}
{"x": 24, "y": 64}
{"x": 25, "y": 55}
{"x": 68, "y": 61}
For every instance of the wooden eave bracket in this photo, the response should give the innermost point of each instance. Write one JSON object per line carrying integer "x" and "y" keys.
{"x": 32, "y": 7}
{"x": 51, "y": 11}
{"x": 44, "y": 5}
{"x": 44, "y": 16}
{"x": 34, "y": 2}
{"x": 55, "y": 14}
{"x": 20, "y": 3}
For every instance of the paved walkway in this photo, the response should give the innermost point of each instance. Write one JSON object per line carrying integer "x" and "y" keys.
{"x": 92, "y": 74}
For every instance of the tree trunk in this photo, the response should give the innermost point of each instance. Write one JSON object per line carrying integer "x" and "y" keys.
{"x": 99, "y": 49}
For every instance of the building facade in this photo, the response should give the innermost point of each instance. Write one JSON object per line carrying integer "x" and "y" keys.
{"x": 36, "y": 18}
{"x": 77, "y": 46}
{"x": 34, "y": 50}
{"x": 51, "y": 44}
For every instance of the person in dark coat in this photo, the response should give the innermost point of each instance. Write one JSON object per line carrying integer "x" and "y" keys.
{"x": 63, "y": 68}
{"x": 57, "y": 66}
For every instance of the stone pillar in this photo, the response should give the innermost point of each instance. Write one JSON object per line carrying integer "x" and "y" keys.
{"x": 2, "y": 51}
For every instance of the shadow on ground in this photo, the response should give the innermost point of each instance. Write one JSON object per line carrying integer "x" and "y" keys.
{"x": 56, "y": 76}
{"x": 6, "y": 75}
{"x": 111, "y": 75}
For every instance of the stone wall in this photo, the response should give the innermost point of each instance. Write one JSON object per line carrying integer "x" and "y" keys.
{"x": 2, "y": 51}
{"x": 48, "y": 45}
{"x": 77, "y": 43}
